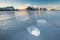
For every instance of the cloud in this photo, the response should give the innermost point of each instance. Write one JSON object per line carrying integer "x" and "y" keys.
{"x": 3, "y": 5}
{"x": 15, "y": 5}
{"x": 22, "y": 6}
{"x": 27, "y": 4}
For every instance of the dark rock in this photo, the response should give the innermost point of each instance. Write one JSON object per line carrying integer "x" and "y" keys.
{"x": 31, "y": 8}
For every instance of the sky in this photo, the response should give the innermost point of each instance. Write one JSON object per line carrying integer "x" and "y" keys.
{"x": 22, "y": 3}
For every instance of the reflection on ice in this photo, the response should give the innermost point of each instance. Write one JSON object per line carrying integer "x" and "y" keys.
{"x": 34, "y": 31}
{"x": 5, "y": 18}
{"x": 6, "y": 15}
{"x": 42, "y": 21}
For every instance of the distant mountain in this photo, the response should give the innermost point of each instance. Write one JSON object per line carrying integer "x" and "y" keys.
{"x": 10, "y": 8}
{"x": 31, "y": 8}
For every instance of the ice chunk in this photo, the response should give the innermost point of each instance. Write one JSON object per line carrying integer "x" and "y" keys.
{"x": 42, "y": 21}
{"x": 34, "y": 31}
{"x": 25, "y": 19}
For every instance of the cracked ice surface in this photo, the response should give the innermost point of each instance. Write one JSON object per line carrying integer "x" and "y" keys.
{"x": 34, "y": 31}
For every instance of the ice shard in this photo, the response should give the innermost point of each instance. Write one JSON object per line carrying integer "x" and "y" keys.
{"x": 33, "y": 31}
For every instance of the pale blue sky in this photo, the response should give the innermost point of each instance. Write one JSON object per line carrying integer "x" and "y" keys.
{"x": 32, "y": 2}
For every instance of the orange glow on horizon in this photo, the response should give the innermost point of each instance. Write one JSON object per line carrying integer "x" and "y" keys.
{"x": 26, "y": 5}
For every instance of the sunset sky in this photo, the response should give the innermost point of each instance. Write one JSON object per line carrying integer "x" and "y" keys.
{"x": 25, "y": 3}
